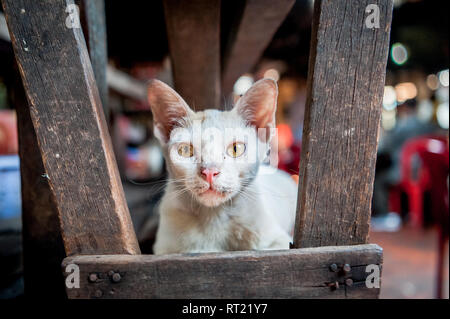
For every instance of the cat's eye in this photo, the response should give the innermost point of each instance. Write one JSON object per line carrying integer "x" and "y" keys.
{"x": 186, "y": 150}
{"x": 236, "y": 149}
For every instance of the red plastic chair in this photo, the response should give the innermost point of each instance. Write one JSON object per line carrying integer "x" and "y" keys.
{"x": 432, "y": 176}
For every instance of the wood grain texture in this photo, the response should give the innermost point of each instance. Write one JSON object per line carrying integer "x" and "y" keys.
{"x": 93, "y": 22}
{"x": 250, "y": 36}
{"x": 193, "y": 30}
{"x": 71, "y": 131}
{"x": 43, "y": 249}
{"x": 340, "y": 135}
{"x": 295, "y": 273}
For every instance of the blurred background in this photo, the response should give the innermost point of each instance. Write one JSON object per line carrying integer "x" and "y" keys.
{"x": 410, "y": 200}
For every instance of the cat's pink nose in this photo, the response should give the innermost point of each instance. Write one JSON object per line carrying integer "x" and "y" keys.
{"x": 209, "y": 173}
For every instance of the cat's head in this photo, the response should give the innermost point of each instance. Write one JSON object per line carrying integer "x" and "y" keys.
{"x": 214, "y": 154}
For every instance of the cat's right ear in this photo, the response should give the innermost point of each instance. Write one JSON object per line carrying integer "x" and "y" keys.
{"x": 168, "y": 109}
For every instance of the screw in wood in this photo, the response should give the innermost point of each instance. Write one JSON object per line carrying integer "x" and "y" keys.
{"x": 349, "y": 282}
{"x": 334, "y": 285}
{"x": 333, "y": 267}
{"x": 116, "y": 277}
{"x": 98, "y": 293}
{"x": 93, "y": 277}
{"x": 346, "y": 268}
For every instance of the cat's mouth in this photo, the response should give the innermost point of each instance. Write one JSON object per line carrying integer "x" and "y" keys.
{"x": 212, "y": 191}
{"x": 212, "y": 197}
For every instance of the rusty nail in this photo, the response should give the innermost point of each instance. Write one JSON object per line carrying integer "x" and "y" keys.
{"x": 334, "y": 267}
{"x": 98, "y": 293}
{"x": 111, "y": 272}
{"x": 93, "y": 277}
{"x": 334, "y": 285}
{"x": 346, "y": 268}
{"x": 349, "y": 282}
{"x": 116, "y": 277}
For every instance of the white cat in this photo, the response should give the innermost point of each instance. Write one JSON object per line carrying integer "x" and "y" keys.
{"x": 219, "y": 196}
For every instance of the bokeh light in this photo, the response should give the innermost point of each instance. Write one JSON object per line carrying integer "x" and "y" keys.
{"x": 442, "y": 115}
{"x": 405, "y": 91}
{"x": 388, "y": 119}
{"x": 425, "y": 110}
{"x": 389, "y": 98}
{"x": 443, "y": 78}
{"x": 399, "y": 54}
{"x": 272, "y": 74}
{"x": 242, "y": 84}
{"x": 432, "y": 82}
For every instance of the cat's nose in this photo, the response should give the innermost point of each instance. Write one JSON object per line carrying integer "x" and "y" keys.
{"x": 209, "y": 173}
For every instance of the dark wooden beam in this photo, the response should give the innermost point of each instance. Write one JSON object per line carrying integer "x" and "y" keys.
{"x": 295, "y": 273}
{"x": 93, "y": 22}
{"x": 70, "y": 127}
{"x": 126, "y": 85}
{"x": 342, "y": 118}
{"x": 43, "y": 249}
{"x": 193, "y": 30}
{"x": 250, "y": 36}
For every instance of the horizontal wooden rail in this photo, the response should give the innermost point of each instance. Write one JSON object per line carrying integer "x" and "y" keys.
{"x": 295, "y": 273}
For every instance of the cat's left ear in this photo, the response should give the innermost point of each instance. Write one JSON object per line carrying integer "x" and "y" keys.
{"x": 258, "y": 105}
{"x": 168, "y": 108}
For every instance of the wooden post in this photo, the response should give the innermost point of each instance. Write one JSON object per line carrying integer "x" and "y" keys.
{"x": 250, "y": 37}
{"x": 43, "y": 249}
{"x": 193, "y": 30}
{"x": 93, "y": 22}
{"x": 345, "y": 89}
{"x": 70, "y": 127}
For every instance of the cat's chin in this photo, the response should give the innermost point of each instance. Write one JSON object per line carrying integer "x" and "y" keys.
{"x": 212, "y": 198}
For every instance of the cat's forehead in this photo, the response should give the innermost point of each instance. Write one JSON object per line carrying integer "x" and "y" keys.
{"x": 218, "y": 119}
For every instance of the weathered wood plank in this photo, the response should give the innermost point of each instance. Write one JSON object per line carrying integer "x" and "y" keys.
{"x": 93, "y": 22}
{"x": 295, "y": 273}
{"x": 345, "y": 88}
{"x": 193, "y": 30}
{"x": 72, "y": 135}
{"x": 250, "y": 37}
{"x": 43, "y": 249}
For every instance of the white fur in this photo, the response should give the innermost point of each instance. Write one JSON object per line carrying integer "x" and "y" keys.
{"x": 246, "y": 206}
{"x": 269, "y": 214}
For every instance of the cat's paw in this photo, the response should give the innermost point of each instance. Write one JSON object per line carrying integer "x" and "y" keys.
{"x": 280, "y": 243}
